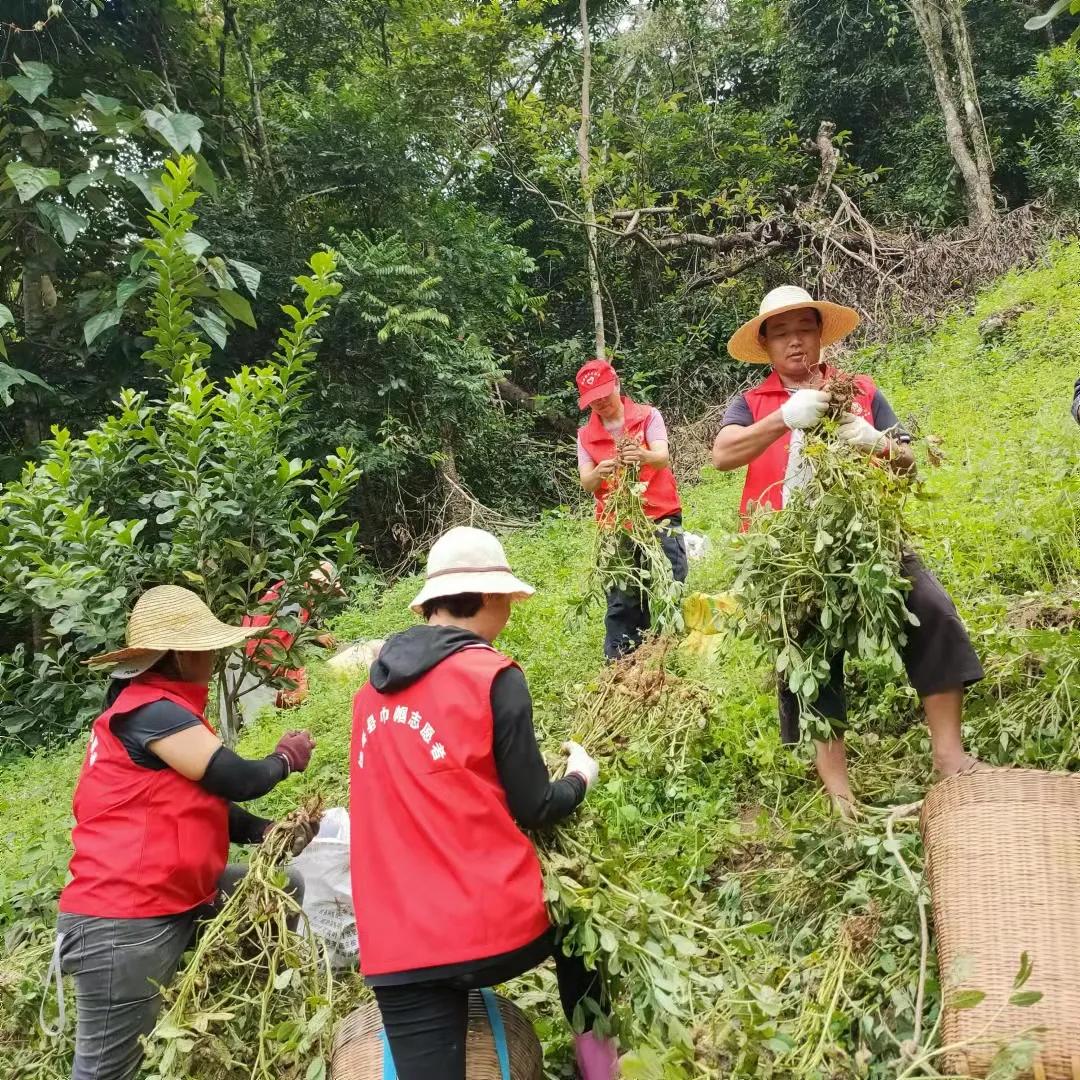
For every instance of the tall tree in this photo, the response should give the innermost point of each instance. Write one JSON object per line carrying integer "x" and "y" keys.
{"x": 958, "y": 96}
{"x": 593, "y": 256}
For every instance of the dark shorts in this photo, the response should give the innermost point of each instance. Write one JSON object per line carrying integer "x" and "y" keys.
{"x": 628, "y": 619}
{"x": 938, "y": 655}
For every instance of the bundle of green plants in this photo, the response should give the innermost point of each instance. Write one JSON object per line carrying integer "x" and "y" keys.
{"x": 255, "y": 999}
{"x": 627, "y": 555}
{"x": 26, "y": 1051}
{"x": 824, "y": 573}
{"x": 622, "y": 876}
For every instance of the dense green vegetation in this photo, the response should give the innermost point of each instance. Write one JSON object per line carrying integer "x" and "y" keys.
{"x": 811, "y": 928}
{"x": 439, "y": 149}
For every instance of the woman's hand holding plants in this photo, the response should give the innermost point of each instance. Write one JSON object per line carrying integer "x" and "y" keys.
{"x": 579, "y": 761}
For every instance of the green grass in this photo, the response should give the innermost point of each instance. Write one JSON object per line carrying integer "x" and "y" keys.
{"x": 745, "y": 826}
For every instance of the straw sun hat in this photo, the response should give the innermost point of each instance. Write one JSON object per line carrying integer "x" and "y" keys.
{"x": 168, "y": 617}
{"x": 837, "y": 322}
{"x": 467, "y": 560}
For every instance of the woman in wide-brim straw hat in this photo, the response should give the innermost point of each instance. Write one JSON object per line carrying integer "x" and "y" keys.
{"x": 763, "y": 429}
{"x": 445, "y": 773}
{"x": 155, "y": 810}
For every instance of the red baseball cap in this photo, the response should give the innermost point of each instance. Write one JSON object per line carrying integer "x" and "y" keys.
{"x": 595, "y": 380}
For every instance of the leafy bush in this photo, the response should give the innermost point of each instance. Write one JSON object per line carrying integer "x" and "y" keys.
{"x": 197, "y": 486}
{"x": 1052, "y": 150}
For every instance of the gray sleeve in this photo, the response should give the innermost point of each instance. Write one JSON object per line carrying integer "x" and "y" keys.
{"x": 737, "y": 412}
{"x": 1076, "y": 402}
{"x": 885, "y": 419}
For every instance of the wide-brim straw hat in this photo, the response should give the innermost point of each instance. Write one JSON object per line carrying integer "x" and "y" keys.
{"x": 467, "y": 560}
{"x": 837, "y": 321}
{"x": 168, "y": 617}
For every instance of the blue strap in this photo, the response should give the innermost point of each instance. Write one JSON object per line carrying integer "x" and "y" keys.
{"x": 498, "y": 1032}
{"x": 389, "y": 1070}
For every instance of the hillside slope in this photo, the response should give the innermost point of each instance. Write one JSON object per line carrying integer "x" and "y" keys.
{"x": 819, "y": 927}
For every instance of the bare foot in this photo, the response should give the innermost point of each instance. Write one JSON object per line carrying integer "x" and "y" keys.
{"x": 965, "y": 763}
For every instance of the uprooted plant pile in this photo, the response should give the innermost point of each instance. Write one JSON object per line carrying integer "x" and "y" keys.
{"x": 824, "y": 574}
{"x": 255, "y": 999}
{"x": 627, "y": 553}
{"x": 612, "y": 874}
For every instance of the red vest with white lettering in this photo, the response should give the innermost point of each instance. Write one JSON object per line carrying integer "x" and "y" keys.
{"x": 441, "y": 873}
{"x": 258, "y": 649}
{"x": 147, "y": 841}
{"x": 661, "y": 497}
{"x": 765, "y": 474}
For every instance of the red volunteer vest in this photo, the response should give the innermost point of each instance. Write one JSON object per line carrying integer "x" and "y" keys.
{"x": 661, "y": 497}
{"x": 441, "y": 873}
{"x": 765, "y": 474}
{"x": 147, "y": 842}
{"x": 259, "y": 650}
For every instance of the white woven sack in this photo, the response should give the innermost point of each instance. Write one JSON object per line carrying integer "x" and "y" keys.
{"x": 328, "y": 904}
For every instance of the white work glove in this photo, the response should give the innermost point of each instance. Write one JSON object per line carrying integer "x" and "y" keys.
{"x": 579, "y": 762}
{"x": 859, "y": 432}
{"x": 805, "y": 408}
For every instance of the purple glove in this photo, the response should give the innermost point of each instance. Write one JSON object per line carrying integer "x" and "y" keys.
{"x": 295, "y": 748}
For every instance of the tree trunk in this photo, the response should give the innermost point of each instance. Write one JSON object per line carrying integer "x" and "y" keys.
{"x": 256, "y": 98}
{"x": 969, "y": 92}
{"x": 592, "y": 258}
{"x": 976, "y": 187}
{"x": 222, "y": 50}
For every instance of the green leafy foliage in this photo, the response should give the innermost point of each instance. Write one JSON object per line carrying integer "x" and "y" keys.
{"x": 201, "y": 486}
{"x": 823, "y": 575}
{"x": 627, "y": 555}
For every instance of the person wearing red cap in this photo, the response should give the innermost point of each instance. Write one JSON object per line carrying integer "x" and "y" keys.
{"x": 614, "y": 417}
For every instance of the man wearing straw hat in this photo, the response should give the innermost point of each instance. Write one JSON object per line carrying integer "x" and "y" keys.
{"x": 762, "y": 429}
{"x": 445, "y": 773}
{"x": 621, "y": 432}
{"x": 155, "y": 810}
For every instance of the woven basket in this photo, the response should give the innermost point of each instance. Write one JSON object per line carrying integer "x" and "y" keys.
{"x": 1003, "y": 863}
{"x": 359, "y": 1049}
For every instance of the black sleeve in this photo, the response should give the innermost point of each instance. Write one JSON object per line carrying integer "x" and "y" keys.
{"x": 885, "y": 419}
{"x": 1076, "y": 402}
{"x": 245, "y": 827}
{"x": 137, "y": 729}
{"x": 737, "y": 412}
{"x": 535, "y": 800}
{"x": 238, "y": 779}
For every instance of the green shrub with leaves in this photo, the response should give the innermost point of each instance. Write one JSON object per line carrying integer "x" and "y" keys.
{"x": 198, "y": 486}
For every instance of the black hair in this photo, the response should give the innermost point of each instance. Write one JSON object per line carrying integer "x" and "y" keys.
{"x": 817, "y": 315}
{"x": 168, "y": 667}
{"x": 459, "y": 606}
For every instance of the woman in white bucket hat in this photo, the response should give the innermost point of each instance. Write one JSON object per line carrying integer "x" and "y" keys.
{"x": 445, "y": 773}
{"x": 763, "y": 430}
{"x": 155, "y": 810}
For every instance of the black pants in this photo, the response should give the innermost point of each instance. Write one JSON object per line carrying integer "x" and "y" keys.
{"x": 938, "y": 655}
{"x": 426, "y": 1023}
{"x": 628, "y": 619}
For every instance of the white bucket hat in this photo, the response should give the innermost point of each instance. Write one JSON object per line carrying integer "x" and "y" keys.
{"x": 837, "y": 322}
{"x": 467, "y": 560}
